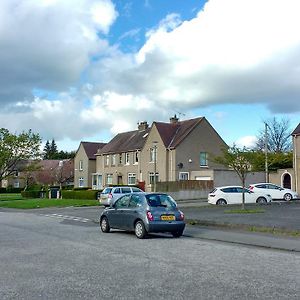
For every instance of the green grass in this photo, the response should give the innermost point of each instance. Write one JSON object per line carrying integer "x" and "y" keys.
{"x": 42, "y": 203}
{"x": 8, "y": 196}
{"x": 244, "y": 211}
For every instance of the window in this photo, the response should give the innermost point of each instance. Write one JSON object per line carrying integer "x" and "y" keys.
{"x": 203, "y": 159}
{"x": 136, "y": 157}
{"x": 135, "y": 201}
{"x": 183, "y": 175}
{"x": 120, "y": 158}
{"x": 151, "y": 177}
{"x": 117, "y": 191}
{"x": 153, "y": 154}
{"x": 123, "y": 202}
{"x": 81, "y": 182}
{"x": 80, "y": 165}
{"x": 131, "y": 178}
{"x": 127, "y": 158}
{"x": 16, "y": 184}
{"x": 109, "y": 178}
{"x": 107, "y": 160}
{"x": 94, "y": 179}
{"x": 126, "y": 190}
{"x": 113, "y": 160}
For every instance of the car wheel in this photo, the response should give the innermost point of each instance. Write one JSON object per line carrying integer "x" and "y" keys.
{"x": 221, "y": 202}
{"x": 140, "y": 230}
{"x": 287, "y": 197}
{"x": 177, "y": 234}
{"x": 261, "y": 200}
{"x": 104, "y": 225}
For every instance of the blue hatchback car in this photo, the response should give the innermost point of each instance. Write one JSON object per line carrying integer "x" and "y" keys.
{"x": 144, "y": 213}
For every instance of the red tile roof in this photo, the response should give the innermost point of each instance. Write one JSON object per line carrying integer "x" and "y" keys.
{"x": 92, "y": 148}
{"x": 173, "y": 134}
{"x": 297, "y": 130}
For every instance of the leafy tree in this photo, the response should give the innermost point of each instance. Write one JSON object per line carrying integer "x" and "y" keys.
{"x": 279, "y": 136}
{"x": 240, "y": 160}
{"x": 16, "y": 148}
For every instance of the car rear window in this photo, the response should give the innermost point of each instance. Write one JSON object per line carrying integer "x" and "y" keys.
{"x": 160, "y": 200}
{"x": 106, "y": 191}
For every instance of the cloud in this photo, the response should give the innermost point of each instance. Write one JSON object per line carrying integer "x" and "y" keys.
{"x": 246, "y": 141}
{"x": 234, "y": 51}
{"x": 47, "y": 44}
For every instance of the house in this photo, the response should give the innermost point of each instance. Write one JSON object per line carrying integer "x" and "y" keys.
{"x": 85, "y": 164}
{"x": 290, "y": 178}
{"x": 43, "y": 172}
{"x": 178, "y": 150}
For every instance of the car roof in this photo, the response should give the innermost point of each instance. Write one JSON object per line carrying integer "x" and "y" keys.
{"x": 229, "y": 186}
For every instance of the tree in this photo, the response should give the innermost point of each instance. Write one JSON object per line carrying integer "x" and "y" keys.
{"x": 53, "y": 150}
{"x": 16, "y": 148}
{"x": 279, "y": 136}
{"x": 46, "y": 151}
{"x": 240, "y": 161}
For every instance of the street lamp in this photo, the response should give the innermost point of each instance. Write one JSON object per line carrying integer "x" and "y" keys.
{"x": 266, "y": 152}
{"x": 155, "y": 162}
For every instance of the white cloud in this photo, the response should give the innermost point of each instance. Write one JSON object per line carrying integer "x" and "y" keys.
{"x": 246, "y": 141}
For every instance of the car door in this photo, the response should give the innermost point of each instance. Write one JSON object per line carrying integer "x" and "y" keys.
{"x": 250, "y": 197}
{"x": 117, "y": 212}
{"x": 134, "y": 208}
{"x": 275, "y": 191}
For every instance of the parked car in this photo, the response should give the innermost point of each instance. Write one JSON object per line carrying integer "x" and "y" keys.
{"x": 144, "y": 213}
{"x": 110, "y": 194}
{"x": 233, "y": 195}
{"x": 276, "y": 192}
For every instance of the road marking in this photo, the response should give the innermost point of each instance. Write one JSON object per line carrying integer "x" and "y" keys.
{"x": 72, "y": 218}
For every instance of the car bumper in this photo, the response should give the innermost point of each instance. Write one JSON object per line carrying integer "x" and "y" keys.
{"x": 164, "y": 226}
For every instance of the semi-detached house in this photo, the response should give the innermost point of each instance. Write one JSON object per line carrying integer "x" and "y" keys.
{"x": 178, "y": 150}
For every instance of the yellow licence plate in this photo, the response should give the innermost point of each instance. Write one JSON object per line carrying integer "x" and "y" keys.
{"x": 167, "y": 218}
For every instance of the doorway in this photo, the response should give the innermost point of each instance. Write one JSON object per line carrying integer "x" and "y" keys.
{"x": 287, "y": 181}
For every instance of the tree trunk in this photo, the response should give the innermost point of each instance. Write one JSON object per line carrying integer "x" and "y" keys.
{"x": 243, "y": 195}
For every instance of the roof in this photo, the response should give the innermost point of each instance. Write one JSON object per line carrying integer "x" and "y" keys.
{"x": 91, "y": 148}
{"x": 173, "y": 134}
{"x": 126, "y": 141}
{"x": 297, "y": 130}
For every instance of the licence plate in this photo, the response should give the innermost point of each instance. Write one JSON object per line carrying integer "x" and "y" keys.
{"x": 167, "y": 218}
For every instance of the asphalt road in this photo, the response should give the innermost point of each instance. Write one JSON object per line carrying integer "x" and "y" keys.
{"x": 58, "y": 256}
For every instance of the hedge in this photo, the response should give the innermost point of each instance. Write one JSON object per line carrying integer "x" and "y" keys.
{"x": 85, "y": 194}
{"x": 10, "y": 190}
{"x": 30, "y": 194}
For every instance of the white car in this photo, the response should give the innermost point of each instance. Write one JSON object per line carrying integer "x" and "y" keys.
{"x": 233, "y": 195}
{"x": 276, "y": 192}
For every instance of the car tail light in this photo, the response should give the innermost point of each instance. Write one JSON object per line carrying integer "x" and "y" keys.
{"x": 150, "y": 216}
{"x": 110, "y": 195}
{"x": 181, "y": 217}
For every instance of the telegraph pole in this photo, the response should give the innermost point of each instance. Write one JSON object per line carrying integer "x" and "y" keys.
{"x": 266, "y": 152}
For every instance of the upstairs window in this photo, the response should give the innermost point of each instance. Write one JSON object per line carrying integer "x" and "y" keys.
{"x": 80, "y": 165}
{"x": 203, "y": 159}
{"x": 153, "y": 154}
{"x": 120, "y": 158}
{"x": 107, "y": 160}
{"x": 113, "y": 160}
{"x": 127, "y": 158}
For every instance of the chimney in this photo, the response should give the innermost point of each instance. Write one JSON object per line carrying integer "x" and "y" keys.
{"x": 143, "y": 125}
{"x": 174, "y": 120}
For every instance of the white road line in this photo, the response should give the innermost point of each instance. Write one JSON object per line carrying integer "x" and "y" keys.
{"x": 72, "y": 218}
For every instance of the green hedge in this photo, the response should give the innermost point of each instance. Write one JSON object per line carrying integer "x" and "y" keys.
{"x": 88, "y": 195}
{"x": 10, "y": 190}
{"x": 30, "y": 194}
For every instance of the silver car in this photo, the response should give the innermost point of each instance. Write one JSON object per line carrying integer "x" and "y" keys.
{"x": 110, "y": 194}
{"x": 144, "y": 213}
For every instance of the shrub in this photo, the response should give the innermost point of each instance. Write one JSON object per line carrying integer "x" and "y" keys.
{"x": 30, "y": 194}
{"x": 80, "y": 194}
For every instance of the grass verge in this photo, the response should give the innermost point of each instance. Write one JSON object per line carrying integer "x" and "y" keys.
{"x": 249, "y": 228}
{"x": 42, "y": 203}
{"x": 244, "y": 211}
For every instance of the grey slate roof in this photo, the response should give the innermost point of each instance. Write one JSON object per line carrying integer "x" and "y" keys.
{"x": 297, "y": 130}
{"x": 126, "y": 141}
{"x": 91, "y": 148}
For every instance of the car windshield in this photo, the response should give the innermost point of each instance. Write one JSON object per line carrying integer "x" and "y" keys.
{"x": 162, "y": 200}
{"x": 106, "y": 191}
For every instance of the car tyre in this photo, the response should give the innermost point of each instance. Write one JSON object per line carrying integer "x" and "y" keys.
{"x": 104, "y": 225}
{"x": 177, "y": 234}
{"x": 221, "y": 202}
{"x": 287, "y": 197}
{"x": 261, "y": 200}
{"x": 140, "y": 230}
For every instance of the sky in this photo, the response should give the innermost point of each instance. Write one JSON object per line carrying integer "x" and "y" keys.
{"x": 85, "y": 70}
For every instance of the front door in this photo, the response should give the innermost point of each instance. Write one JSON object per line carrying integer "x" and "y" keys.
{"x": 120, "y": 180}
{"x": 287, "y": 181}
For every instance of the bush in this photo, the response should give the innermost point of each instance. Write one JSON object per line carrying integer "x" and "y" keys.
{"x": 30, "y": 194}
{"x": 82, "y": 188}
{"x": 77, "y": 194}
{"x": 11, "y": 190}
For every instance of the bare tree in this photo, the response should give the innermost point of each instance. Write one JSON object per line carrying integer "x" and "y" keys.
{"x": 278, "y": 136}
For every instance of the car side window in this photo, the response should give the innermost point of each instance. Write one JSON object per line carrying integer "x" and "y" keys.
{"x": 239, "y": 190}
{"x": 135, "y": 201}
{"x": 227, "y": 190}
{"x": 126, "y": 190}
{"x": 135, "y": 189}
{"x": 261, "y": 186}
{"x": 123, "y": 202}
{"x": 117, "y": 191}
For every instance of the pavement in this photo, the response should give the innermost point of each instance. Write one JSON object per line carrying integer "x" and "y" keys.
{"x": 278, "y": 227}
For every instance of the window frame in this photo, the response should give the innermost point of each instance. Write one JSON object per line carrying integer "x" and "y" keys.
{"x": 130, "y": 176}
{"x": 205, "y": 160}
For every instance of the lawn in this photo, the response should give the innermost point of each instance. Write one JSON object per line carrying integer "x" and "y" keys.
{"x": 16, "y": 201}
